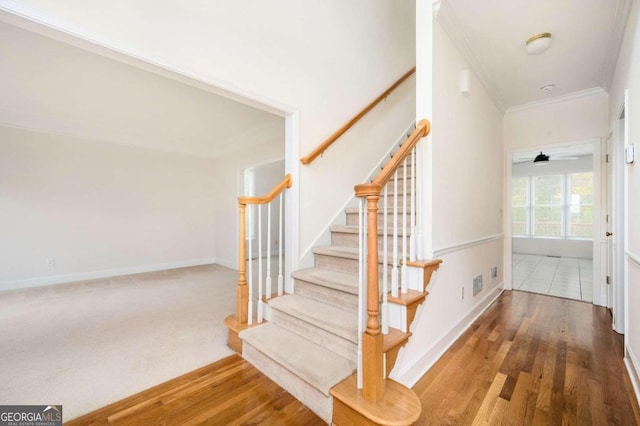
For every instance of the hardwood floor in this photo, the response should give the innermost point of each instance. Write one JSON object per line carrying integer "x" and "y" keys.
{"x": 532, "y": 359}
{"x": 228, "y": 392}
{"x": 529, "y": 359}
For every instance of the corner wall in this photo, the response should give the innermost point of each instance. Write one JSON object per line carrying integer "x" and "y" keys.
{"x": 627, "y": 76}
{"x": 99, "y": 209}
{"x": 466, "y": 174}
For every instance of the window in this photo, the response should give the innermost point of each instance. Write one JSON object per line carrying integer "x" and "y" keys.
{"x": 580, "y": 215}
{"x": 520, "y": 206}
{"x": 556, "y": 206}
{"x": 547, "y": 206}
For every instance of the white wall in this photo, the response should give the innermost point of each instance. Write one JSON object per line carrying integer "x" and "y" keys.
{"x": 467, "y": 174}
{"x": 627, "y": 76}
{"x": 325, "y": 59}
{"x": 571, "y": 120}
{"x": 99, "y": 209}
{"x": 57, "y": 88}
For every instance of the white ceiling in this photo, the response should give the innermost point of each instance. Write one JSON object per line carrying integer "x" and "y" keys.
{"x": 53, "y": 87}
{"x": 491, "y": 35}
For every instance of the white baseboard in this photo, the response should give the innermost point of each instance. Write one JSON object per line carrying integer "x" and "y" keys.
{"x": 104, "y": 273}
{"x": 410, "y": 376}
{"x": 227, "y": 263}
{"x": 634, "y": 371}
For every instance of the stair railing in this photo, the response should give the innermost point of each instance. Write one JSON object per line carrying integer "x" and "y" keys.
{"x": 251, "y": 208}
{"x": 320, "y": 149}
{"x": 371, "y": 368}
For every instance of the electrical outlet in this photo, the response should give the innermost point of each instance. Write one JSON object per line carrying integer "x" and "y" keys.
{"x": 461, "y": 293}
{"x": 51, "y": 262}
{"x": 477, "y": 285}
{"x": 494, "y": 272}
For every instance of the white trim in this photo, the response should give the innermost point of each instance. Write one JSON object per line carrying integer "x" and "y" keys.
{"x": 633, "y": 369}
{"x": 448, "y": 20}
{"x": 467, "y": 244}
{"x": 615, "y": 42}
{"x": 568, "y": 97}
{"x": 634, "y": 259}
{"x": 410, "y": 375}
{"x": 103, "y": 273}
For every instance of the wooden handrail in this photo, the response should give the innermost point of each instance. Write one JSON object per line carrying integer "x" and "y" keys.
{"x": 277, "y": 190}
{"x": 331, "y": 139}
{"x": 422, "y": 129}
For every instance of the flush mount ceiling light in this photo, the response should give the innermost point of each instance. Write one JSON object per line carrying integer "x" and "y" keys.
{"x": 541, "y": 159}
{"x": 538, "y": 43}
{"x": 547, "y": 87}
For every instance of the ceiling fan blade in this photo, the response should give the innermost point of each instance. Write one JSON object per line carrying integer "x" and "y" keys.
{"x": 563, "y": 158}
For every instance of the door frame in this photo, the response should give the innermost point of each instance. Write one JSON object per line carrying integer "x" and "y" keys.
{"x": 599, "y": 289}
{"x": 617, "y": 209}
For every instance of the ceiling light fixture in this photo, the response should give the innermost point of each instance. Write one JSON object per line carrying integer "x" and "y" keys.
{"x": 541, "y": 159}
{"x": 548, "y": 87}
{"x": 538, "y": 43}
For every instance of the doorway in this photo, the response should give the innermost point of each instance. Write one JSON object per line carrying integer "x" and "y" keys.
{"x": 554, "y": 217}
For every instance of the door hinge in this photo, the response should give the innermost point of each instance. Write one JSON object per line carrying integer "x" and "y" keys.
{"x": 607, "y": 218}
{"x": 608, "y": 279}
{"x": 607, "y": 158}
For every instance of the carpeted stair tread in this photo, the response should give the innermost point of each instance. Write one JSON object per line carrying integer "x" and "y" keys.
{"x": 347, "y": 229}
{"x": 316, "y": 365}
{"x": 400, "y": 210}
{"x": 348, "y": 253}
{"x": 327, "y": 317}
{"x": 342, "y": 281}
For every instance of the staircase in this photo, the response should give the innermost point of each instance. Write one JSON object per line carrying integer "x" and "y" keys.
{"x": 309, "y": 343}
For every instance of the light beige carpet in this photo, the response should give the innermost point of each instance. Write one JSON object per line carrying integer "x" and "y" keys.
{"x": 85, "y": 345}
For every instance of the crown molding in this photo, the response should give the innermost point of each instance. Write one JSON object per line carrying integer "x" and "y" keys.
{"x": 448, "y": 20}
{"x": 615, "y": 42}
{"x": 558, "y": 99}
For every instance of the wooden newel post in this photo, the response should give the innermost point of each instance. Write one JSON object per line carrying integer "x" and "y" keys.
{"x": 372, "y": 350}
{"x": 242, "y": 291}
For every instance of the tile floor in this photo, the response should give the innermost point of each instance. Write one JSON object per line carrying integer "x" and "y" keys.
{"x": 568, "y": 277}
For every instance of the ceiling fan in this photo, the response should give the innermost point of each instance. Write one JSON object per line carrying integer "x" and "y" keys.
{"x": 544, "y": 159}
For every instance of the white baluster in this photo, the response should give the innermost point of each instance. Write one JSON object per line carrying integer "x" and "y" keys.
{"x": 412, "y": 213}
{"x": 250, "y": 235}
{"x": 362, "y": 279}
{"x": 268, "y": 280}
{"x": 418, "y": 175}
{"x": 385, "y": 267}
{"x": 394, "y": 266}
{"x": 260, "y": 307}
{"x": 280, "y": 244}
{"x": 403, "y": 275}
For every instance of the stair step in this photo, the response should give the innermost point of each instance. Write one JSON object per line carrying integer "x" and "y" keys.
{"x": 340, "y": 281}
{"x": 305, "y": 369}
{"x": 352, "y": 216}
{"x": 316, "y": 365}
{"x": 326, "y": 317}
{"x": 352, "y": 229}
{"x": 331, "y": 287}
{"x": 347, "y": 236}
